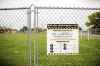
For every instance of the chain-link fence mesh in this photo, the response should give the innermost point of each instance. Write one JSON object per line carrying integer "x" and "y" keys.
{"x": 89, "y": 47}
{"x": 15, "y": 40}
{"x": 14, "y": 37}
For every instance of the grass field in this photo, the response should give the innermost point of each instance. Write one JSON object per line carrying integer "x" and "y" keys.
{"x": 14, "y": 51}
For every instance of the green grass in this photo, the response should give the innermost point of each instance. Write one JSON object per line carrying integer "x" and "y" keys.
{"x": 14, "y": 51}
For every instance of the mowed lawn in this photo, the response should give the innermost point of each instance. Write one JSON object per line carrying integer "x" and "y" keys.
{"x": 14, "y": 51}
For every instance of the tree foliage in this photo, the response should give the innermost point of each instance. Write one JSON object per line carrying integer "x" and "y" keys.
{"x": 94, "y": 19}
{"x": 24, "y": 29}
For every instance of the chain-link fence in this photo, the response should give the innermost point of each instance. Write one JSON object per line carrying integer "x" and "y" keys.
{"x": 89, "y": 48}
{"x": 16, "y": 48}
{"x": 14, "y": 36}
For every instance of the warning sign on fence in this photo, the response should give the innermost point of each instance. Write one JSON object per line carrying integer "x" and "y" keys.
{"x": 62, "y": 39}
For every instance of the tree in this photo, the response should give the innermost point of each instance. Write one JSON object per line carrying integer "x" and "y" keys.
{"x": 24, "y": 29}
{"x": 80, "y": 28}
{"x": 94, "y": 19}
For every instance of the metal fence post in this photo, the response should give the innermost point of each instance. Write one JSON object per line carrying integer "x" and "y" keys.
{"x": 36, "y": 37}
{"x": 29, "y": 37}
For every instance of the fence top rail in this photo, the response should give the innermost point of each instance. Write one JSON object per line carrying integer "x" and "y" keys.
{"x": 14, "y": 8}
{"x": 80, "y": 8}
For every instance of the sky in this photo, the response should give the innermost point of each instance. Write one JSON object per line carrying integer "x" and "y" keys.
{"x": 15, "y": 15}
{"x": 60, "y": 3}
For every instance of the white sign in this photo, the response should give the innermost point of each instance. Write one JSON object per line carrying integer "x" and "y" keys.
{"x": 62, "y": 39}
